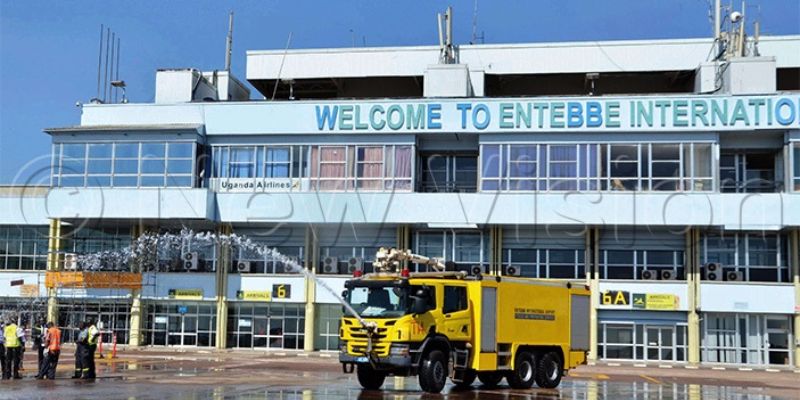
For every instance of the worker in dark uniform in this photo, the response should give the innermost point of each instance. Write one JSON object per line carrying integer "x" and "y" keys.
{"x": 38, "y": 333}
{"x": 80, "y": 350}
{"x": 2, "y": 348}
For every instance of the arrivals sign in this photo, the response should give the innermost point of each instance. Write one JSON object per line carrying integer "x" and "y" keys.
{"x": 279, "y": 291}
{"x": 253, "y": 295}
{"x": 186, "y": 294}
{"x": 646, "y": 301}
{"x": 688, "y": 113}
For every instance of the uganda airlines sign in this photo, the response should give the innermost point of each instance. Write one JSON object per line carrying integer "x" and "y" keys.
{"x": 689, "y": 113}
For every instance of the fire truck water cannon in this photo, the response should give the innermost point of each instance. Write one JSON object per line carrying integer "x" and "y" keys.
{"x": 389, "y": 260}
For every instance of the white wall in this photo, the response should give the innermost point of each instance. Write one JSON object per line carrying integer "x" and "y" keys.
{"x": 747, "y": 297}
{"x": 157, "y": 285}
{"x": 323, "y": 295}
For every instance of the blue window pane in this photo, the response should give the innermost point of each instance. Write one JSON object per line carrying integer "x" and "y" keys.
{"x": 180, "y": 150}
{"x": 72, "y": 181}
{"x": 153, "y": 181}
{"x": 491, "y": 161}
{"x": 179, "y": 181}
{"x": 98, "y": 181}
{"x": 279, "y": 154}
{"x": 179, "y": 166}
{"x": 241, "y": 171}
{"x": 74, "y": 150}
{"x": 523, "y": 153}
{"x": 242, "y": 154}
{"x": 153, "y": 150}
{"x": 73, "y": 166}
{"x": 152, "y": 166}
{"x": 99, "y": 166}
{"x": 99, "y": 150}
{"x": 522, "y": 184}
{"x": 522, "y": 170}
{"x": 277, "y": 170}
{"x": 491, "y": 185}
{"x": 125, "y": 181}
{"x": 126, "y": 166}
{"x": 126, "y": 150}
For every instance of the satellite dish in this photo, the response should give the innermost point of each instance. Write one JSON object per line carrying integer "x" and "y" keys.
{"x": 736, "y": 16}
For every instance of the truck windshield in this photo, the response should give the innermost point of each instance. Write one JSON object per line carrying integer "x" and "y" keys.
{"x": 378, "y": 301}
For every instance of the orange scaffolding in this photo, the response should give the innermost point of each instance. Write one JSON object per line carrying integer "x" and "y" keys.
{"x": 99, "y": 280}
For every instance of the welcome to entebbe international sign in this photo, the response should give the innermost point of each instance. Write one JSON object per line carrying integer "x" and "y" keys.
{"x": 689, "y": 113}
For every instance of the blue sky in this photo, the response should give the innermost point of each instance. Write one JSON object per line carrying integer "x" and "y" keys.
{"x": 48, "y": 50}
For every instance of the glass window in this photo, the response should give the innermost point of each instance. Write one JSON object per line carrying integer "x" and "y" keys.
{"x": 122, "y": 164}
{"x": 153, "y": 150}
{"x": 242, "y": 162}
{"x": 455, "y": 299}
{"x": 796, "y": 167}
{"x": 180, "y": 150}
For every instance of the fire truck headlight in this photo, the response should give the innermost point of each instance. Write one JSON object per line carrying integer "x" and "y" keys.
{"x": 399, "y": 350}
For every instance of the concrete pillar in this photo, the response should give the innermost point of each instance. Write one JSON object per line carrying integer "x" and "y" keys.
{"x": 135, "y": 323}
{"x": 496, "y": 250}
{"x": 592, "y": 258}
{"x": 794, "y": 252}
{"x": 54, "y": 264}
{"x": 403, "y": 241}
{"x": 135, "y": 334}
{"x": 223, "y": 264}
{"x": 311, "y": 257}
{"x": 693, "y": 292}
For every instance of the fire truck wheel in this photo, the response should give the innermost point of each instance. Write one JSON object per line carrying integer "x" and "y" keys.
{"x": 549, "y": 371}
{"x": 490, "y": 379}
{"x": 524, "y": 373}
{"x": 369, "y": 378}
{"x": 433, "y": 374}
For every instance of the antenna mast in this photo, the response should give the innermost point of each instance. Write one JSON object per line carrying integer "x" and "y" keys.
{"x": 475, "y": 36}
{"x": 229, "y": 43}
{"x": 447, "y": 54}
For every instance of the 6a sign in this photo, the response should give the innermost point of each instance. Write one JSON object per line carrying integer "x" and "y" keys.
{"x": 615, "y": 298}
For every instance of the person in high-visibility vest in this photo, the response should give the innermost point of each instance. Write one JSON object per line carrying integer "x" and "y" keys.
{"x": 14, "y": 342}
{"x": 53, "y": 346}
{"x": 91, "y": 347}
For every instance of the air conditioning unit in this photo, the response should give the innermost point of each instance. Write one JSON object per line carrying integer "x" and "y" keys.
{"x": 734, "y": 276}
{"x": 355, "y": 264}
{"x": 476, "y": 270}
{"x": 70, "y": 262}
{"x": 244, "y": 266}
{"x": 513, "y": 270}
{"x": 292, "y": 266}
{"x": 712, "y": 272}
{"x": 649, "y": 275}
{"x": 667, "y": 275}
{"x": 330, "y": 265}
{"x": 191, "y": 261}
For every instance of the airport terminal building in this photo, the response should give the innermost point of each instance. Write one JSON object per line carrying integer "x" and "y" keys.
{"x": 668, "y": 183}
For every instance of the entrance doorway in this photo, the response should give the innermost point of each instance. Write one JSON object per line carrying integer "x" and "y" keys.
{"x": 660, "y": 343}
{"x": 182, "y": 330}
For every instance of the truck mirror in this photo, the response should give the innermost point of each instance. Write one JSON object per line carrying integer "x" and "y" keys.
{"x": 420, "y": 305}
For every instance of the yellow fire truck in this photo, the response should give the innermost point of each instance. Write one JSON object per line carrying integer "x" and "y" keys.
{"x": 448, "y": 323}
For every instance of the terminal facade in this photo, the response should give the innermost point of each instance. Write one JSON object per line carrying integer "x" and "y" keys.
{"x": 668, "y": 183}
